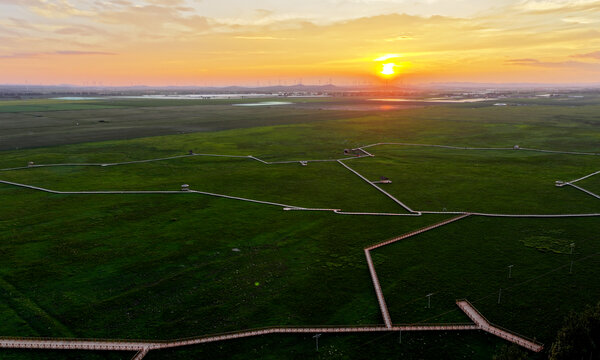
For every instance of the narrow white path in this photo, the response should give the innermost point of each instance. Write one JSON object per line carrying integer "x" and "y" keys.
{"x": 146, "y": 192}
{"x": 297, "y": 208}
{"x": 361, "y": 148}
{"x": 584, "y": 190}
{"x": 484, "y": 148}
{"x": 142, "y": 347}
{"x": 378, "y": 188}
{"x": 583, "y": 177}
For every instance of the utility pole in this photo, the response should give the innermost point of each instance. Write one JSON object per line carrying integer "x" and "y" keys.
{"x": 499, "y": 295}
{"x": 316, "y": 337}
{"x": 510, "y": 271}
{"x": 429, "y": 300}
{"x": 571, "y": 266}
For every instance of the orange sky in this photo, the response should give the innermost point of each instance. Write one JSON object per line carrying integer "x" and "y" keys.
{"x": 184, "y": 42}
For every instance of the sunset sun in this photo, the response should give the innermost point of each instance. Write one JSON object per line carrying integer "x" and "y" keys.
{"x": 388, "y": 69}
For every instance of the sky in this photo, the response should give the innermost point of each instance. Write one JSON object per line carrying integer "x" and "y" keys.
{"x": 271, "y": 42}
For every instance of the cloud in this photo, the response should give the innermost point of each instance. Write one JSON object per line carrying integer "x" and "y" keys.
{"x": 558, "y": 6}
{"x": 26, "y": 55}
{"x": 400, "y": 38}
{"x": 260, "y": 38}
{"x": 580, "y": 20}
{"x": 387, "y": 57}
{"x": 155, "y": 18}
{"x": 553, "y": 64}
{"x": 592, "y": 55}
{"x": 79, "y": 30}
{"x": 522, "y": 62}
{"x": 58, "y": 9}
{"x": 72, "y": 52}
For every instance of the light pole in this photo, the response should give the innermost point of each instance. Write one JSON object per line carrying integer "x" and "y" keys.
{"x": 571, "y": 266}
{"x": 510, "y": 271}
{"x": 429, "y": 300}
{"x": 499, "y": 295}
{"x": 316, "y": 337}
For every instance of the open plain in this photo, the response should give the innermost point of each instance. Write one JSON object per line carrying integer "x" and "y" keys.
{"x": 120, "y": 252}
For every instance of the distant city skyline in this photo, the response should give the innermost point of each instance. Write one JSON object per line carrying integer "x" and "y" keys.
{"x": 264, "y": 42}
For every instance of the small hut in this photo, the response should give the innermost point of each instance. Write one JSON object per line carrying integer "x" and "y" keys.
{"x": 185, "y": 187}
{"x": 383, "y": 180}
{"x": 355, "y": 152}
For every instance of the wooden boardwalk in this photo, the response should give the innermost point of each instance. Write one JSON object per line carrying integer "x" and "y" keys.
{"x": 141, "y": 347}
{"x": 488, "y": 327}
{"x": 380, "y": 298}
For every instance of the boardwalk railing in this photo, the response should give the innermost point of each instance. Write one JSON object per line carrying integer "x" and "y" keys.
{"x": 487, "y": 326}
{"x": 142, "y": 347}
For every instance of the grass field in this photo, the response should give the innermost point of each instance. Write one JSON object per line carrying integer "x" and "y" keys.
{"x": 164, "y": 266}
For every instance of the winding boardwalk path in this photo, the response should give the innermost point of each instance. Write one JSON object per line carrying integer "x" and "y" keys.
{"x": 488, "y": 327}
{"x": 141, "y": 348}
{"x": 572, "y": 184}
{"x": 380, "y": 298}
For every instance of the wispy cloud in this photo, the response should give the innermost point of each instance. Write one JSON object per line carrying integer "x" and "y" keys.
{"x": 400, "y": 38}
{"x": 592, "y": 55}
{"x": 522, "y": 62}
{"x": 259, "y": 38}
{"x": 557, "y": 6}
{"x": 79, "y": 30}
{"x": 387, "y": 57}
{"x": 554, "y": 64}
{"x": 538, "y": 36}
{"x": 26, "y": 55}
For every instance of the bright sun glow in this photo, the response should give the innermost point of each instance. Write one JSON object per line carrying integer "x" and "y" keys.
{"x": 388, "y": 69}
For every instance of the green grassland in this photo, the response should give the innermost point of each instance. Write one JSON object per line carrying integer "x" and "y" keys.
{"x": 592, "y": 184}
{"x": 51, "y": 122}
{"x": 44, "y": 105}
{"x": 164, "y": 266}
